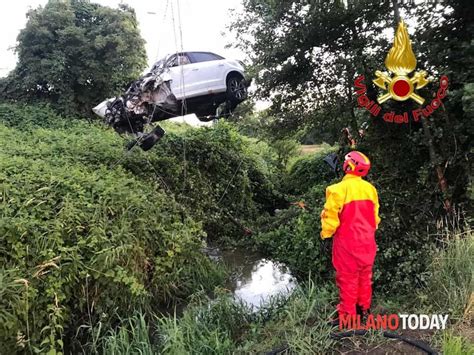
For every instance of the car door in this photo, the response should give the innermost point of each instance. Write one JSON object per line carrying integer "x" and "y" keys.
{"x": 211, "y": 71}
{"x": 185, "y": 76}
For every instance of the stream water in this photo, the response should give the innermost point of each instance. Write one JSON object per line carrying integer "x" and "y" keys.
{"x": 255, "y": 278}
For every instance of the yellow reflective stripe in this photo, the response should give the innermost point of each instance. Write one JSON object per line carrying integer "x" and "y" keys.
{"x": 377, "y": 207}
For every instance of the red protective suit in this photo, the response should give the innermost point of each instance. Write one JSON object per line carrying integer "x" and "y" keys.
{"x": 351, "y": 215}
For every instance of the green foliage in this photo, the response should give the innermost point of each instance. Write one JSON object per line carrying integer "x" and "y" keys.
{"x": 410, "y": 204}
{"x": 305, "y": 55}
{"x": 90, "y": 233}
{"x": 216, "y": 174}
{"x": 82, "y": 240}
{"x": 30, "y": 117}
{"x": 292, "y": 236}
{"x": 75, "y": 53}
{"x": 131, "y": 338}
{"x": 205, "y": 327}
{"x": 285, "y": 150}
{"x": 13, "y": 309}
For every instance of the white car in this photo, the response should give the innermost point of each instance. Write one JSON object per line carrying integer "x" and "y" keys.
{"x": 202, "y": 83}
{"x": 204, "y": 80}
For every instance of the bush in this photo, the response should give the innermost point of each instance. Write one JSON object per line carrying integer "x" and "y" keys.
{"x": 307, "y": 172}
{"x": 90, "y": 233}
{"x": 83, "y": 241}
{"x": 31, "y": 117}
{"x": 215, "y": 174}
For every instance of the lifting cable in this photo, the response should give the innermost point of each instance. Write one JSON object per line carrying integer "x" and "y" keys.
{"x": 184, "y": 111}
{"x": 183, "y": 106}
{"x": 165, "y": 13}
{"x": 179, "y": 52}
{"x": 230, "y": 182}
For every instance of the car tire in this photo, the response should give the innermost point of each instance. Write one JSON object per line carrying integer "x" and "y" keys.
{"x": 236, "y": 88}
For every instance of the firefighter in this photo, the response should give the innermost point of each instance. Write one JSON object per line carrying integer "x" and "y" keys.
{"x": 351, "y": 216}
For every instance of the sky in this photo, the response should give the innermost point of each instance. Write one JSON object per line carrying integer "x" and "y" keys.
{"x": 202, "y": 22}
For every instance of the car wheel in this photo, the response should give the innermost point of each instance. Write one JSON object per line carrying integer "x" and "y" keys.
{"x": 236, "y": 89}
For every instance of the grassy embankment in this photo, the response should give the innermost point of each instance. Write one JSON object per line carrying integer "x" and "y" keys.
{"x": 91, "y": 234}
{"x": 95, "y": 241}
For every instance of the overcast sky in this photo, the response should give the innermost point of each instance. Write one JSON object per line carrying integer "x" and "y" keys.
{"x": 202, "y": 22}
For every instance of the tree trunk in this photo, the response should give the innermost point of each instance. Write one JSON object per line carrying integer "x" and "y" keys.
{"x": 443, "y": 184}
{"x": 396, "y": 14}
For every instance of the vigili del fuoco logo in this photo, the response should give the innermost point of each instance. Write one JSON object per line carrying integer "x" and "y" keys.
{"x": 399, "y": 84}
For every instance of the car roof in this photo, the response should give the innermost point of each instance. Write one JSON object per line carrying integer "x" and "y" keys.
{"x": 201, "y": 51}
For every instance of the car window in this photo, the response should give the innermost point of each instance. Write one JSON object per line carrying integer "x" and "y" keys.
{"x": 197, "y": 57}
{"x": 178, "y": 59}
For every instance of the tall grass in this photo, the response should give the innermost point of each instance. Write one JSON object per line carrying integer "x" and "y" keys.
{"x": 452, "y": 282}
{"x": 206, "y": 327}
{"x": 456, "y": 345}
{"x": 132, "y": 337}
{"x": 224, "y": 326}
{"x": 298, "y": 323}
{"x": 302, "y": 324}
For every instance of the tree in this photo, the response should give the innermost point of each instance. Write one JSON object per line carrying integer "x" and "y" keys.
{"x": 305, "y": 55}
{"x": 74, "y": 53}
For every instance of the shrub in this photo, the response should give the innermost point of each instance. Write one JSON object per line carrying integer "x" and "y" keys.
{"x": 82, "y": 241}
{"x": 308, "y": 171}
{"x": 215, "y": 175}
{"x": 29, "y": 116}
{"x": 90, "y": 232}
